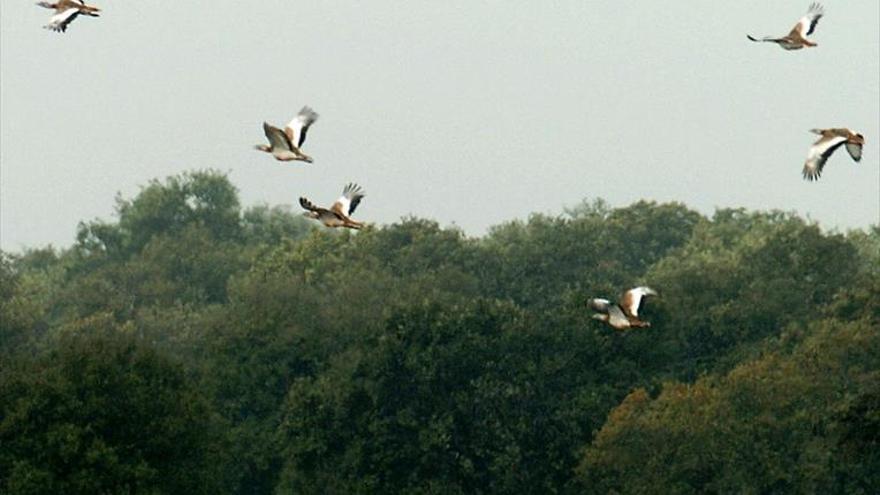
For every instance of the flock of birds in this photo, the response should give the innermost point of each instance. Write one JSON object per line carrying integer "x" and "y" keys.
{"x": 286, "y": 145}
{"x": 625, "y": 313}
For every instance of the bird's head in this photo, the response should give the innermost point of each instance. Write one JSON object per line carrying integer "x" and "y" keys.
{"x": 262, "y": 147}
{"x": 859, "y": 139}
{"x": 308, "y": 159}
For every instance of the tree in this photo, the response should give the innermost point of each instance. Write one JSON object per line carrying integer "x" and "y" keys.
{"x": 744, "y": 277}
{"x": 768, "y": 426}
{"x": 204, "y": 198}
{"x": 404, "y": 417}
{"x": 102, "y": 413}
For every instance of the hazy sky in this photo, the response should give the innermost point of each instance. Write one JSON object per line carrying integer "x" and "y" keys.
{"x": 471, "y": 113}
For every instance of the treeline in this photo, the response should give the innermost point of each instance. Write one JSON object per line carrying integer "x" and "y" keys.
{"x": 193, "y": 346}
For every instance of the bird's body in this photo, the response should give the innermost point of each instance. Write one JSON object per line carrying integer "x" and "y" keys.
{"x": 826, "y": 145}
{"x": 625, "y": 314}
{"x": 65, "y": 12}
{"x": 338, "y": 215}
{"x": 797, "y": 37}
{"x": 285, "y": 144}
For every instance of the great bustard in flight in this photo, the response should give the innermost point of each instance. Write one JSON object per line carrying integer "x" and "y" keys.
{"x": 830, "y": 140}
{"x": 797, "y": 37}
{"x": 625, "y": 313}
{"x": 285, "y": 145}
{"x": 339, "y": 215}
{"x": 65, "y": 12}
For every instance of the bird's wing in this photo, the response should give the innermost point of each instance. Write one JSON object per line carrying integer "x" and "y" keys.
{"x": 600, "y": 305}
{"x": 59, "y": 22}
{"x": 854, "y": 150}
{"x": 350, "y": 199}
{"x": 308, "y": 205}
{"x": 634, "y": 299}
{"x": 765, "y": 38}
{"x": 297, "y": 128}
{"x": 276, "y": 137}
{"x": 616, "y": 313}
{"x": 818, "y": 155}
{"x": 807, "y": 24}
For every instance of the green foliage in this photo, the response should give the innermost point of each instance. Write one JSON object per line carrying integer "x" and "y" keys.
{"x": 774, "y": 425}
{"x": 445, "y": 397}
{"x": 743, "y": 277}
{"x": 27, "y": 284}
{"x": 192, "y": 346}
{"x": 263, "y": 225}
{"x": 101, "y": 413}
{"x": 538, "y": 261}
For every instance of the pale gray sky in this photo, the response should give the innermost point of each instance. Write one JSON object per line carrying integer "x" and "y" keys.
{"x": 470, "y": 113}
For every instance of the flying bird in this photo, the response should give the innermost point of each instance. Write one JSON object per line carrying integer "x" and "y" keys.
{"x": 65, "y": 12}
{"x": 797, "y": 38}
{"x": 830, "y": 140}
{"x": 285, "y": 145}
{"x": 624, "y": 314}
{"x": 339, "y": 215}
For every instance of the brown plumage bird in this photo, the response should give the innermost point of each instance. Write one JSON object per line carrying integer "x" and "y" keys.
{"x": 286, "y": 145}
{"x": 824, "y": 147}
{"x": 797, "y": 37}
{"x": 338, "y": 215}
{"x": 65, "y": 12}
{"x": 625, "y": 314}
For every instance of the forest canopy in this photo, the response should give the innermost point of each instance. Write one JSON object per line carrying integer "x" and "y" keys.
{"x": 191, "y": 345}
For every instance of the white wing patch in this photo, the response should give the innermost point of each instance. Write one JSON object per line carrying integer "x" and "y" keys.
{"x": 636, "y": 295}
{"x": 59, "y": 22}
{"x": 299, "y": 126}
{"x": 807, "y": 24}
{"x": 342, "y": 205}
{"x": 818, "y": 155}
{"x": 822, "y": 146}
